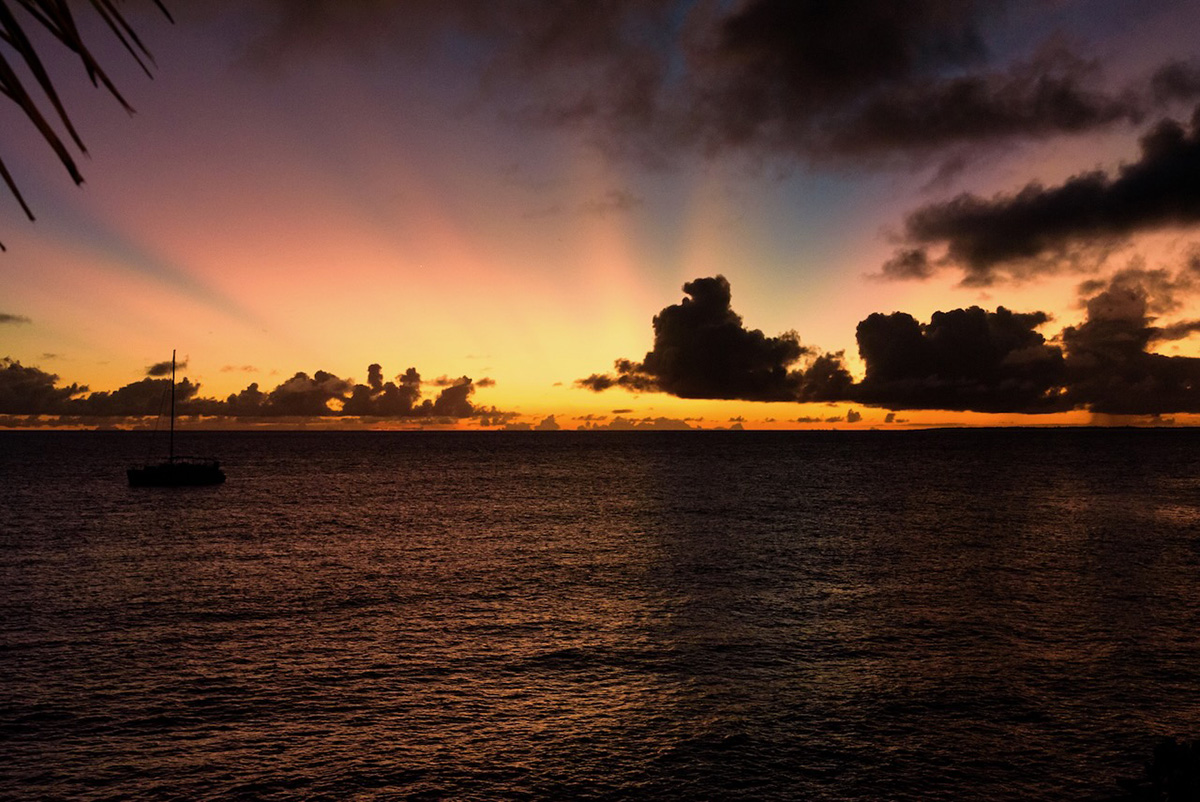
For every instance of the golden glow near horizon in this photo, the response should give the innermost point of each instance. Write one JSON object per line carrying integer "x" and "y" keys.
{"x": 271, "y": 219}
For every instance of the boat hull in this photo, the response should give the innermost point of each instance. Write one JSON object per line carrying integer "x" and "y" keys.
{"x": 177, "y": 474}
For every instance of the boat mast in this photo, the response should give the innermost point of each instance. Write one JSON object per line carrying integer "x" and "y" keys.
{"x": 171, "y": 441}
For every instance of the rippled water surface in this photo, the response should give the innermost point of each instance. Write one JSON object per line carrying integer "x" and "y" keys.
{"x": 945, "y": 615}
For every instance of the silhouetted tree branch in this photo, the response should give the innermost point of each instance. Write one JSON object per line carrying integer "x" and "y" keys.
{"x": 56, "y": 17}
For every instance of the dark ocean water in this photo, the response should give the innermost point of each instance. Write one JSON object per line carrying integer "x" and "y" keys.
{"x": 946, "y": 615}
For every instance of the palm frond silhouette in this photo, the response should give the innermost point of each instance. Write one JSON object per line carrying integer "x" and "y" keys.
{"x": 56, "y": 17}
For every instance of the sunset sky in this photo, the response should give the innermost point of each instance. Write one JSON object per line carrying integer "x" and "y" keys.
{"x": 512, "y": 191}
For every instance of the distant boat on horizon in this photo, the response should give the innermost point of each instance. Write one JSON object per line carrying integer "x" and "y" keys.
{"x": 176, "y": 471}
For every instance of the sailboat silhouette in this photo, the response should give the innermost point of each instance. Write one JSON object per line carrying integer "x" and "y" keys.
{"x": 176, "y": 471}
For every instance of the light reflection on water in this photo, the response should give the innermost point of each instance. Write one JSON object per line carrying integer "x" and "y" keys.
{"x": 941, "y": 615}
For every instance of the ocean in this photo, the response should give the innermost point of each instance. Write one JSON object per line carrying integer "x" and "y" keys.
{"x": 929, "y": 615}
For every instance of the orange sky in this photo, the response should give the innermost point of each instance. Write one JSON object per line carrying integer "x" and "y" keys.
{"x": 325, "y": 210}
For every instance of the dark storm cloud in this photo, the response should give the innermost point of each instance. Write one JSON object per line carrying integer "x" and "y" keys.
{"x": 378, "y": 398}
{"x": 826, "y": 379}
{"x": 30, "y": 391}
{"x": 969, "y": 359}
{"x": 15, "y": 319}
{"x": 964, "y": 359}
{"x": 248, "y": 403}
{"x": 490, "y": 416}
{"x": 908, "y": 263}
{"x": 160, "y": 369}
{"x": 772, "y": 69}
{"x": 1044, "y": 228}
{"x": 702, "y": 350}
{"x": 629, "y": 375}
{"x": 870, "y": 76}
{"x": 304, "y": 395}
{"x": 1176, "y": 80}
{"x": 621, "y": 424}
{"x": 1165, "y": 291}
{"x": 838, "y": 50}
{"x": 375, "y": 377}
{"x": 1175, "y": 331}
{"x": 1111, "y": 369}
{"x": 455, "y": 401}
{"x": 597, "y": 382}
{"x": 140, "y": 398}
{"x": 325, "y": 395}
{"x": 843, "y": 80}
{"x": 1034, "y": 100}
{"x": 548, "y": 424}
{"x": 796, "y": 78}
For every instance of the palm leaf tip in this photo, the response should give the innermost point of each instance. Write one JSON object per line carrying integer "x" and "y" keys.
{"x": 56, "y": 17}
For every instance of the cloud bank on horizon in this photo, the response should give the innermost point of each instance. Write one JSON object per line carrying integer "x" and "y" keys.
{"x": 856, "y": 86}
{"x": 961, "y": 360}
{"x": 32, "y": 392}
